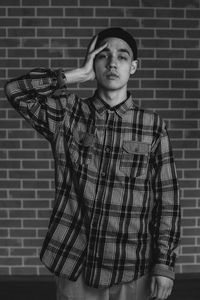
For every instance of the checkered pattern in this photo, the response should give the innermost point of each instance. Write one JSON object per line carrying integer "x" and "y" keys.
{"x": 116, "y": 212}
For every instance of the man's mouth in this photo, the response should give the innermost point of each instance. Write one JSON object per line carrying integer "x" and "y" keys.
{"x": 112, "y": 75}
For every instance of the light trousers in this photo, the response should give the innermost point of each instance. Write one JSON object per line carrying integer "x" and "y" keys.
{"x": 78, "y": 290}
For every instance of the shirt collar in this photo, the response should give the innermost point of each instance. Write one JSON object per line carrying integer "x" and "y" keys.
{"x": 121, "y": 108}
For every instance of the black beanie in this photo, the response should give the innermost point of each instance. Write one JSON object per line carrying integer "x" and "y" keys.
{"x": 118, "y": 33}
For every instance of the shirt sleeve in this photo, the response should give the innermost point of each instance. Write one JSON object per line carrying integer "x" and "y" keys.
{"x": 33, "y": 96}
{"x": 166, "y": 210}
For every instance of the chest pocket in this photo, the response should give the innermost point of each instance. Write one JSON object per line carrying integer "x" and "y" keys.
{"x": 81, "y": 147}
{"x": 134, "y": 158}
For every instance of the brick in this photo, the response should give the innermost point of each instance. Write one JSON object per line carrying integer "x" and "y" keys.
{"x": 23, "y": 233}
{"x": 21, "y": 154}
{"x": 35, "y": 42}
{"x": 21, "y": 11}
{"x": 91, "y": 3}
{"x": 169, "y": 13}
{"x": 9, "y": 63}
{"x": 185, "y": 3}
{"x": 191, "y": 268}
{"x": 33, "y": 242}
{"x": 11, "y": 261}
{"x": 3, "y": 252}
{"x": 192, "y": 74}
{"x": 21, "y": 194}
{"x": 83, "y": 12}
{"x": 186, "y": 164}
{"x": 188, "y": 203}
{"x": 24, "y": 214}
{"x": 9, "y": 22}
{"x": 9, "y": 144}
{"x": 21, "y": 174}
{"x": 186, "y": 259}
{"x": 44, "y": 214}
{"x": 50, "y": 12}
{"x": 155, "y": 63}
{"x": 155, "y": 83}
{"x": 145, "y": 73}
{"x": 192, "y": 134}
{"x": 31, "y": 261}
{"x": 35, "y": 223}
{"x": 185, "y": 23}
{"x": 192, "y": 174}
{"x": 44, "y": 155}
{"x": 155, "y": 3}
{"x": 35, "y": 3}
{"x": 192, "y": 154}
{"x": 124, "y": 22}
{"x": 193, "y": 94}
{"x": 155, "y": 43}
{"x": 155, "y": 23}
{"x": 169, "y": 74}
{"x": 50, "y": 32}
{"x": 186, "y": 84}
{"x": 139, "y": 12}
{"x": 81, "y": 32}
{"x": 3, "y": 233}
{"x": 35, "y": 144}
{"x": 35, "y": 164}
{"x": 63, "y": 43}
{"x": 23, "y": 252}
{"x": 9, "y": 184}
{"x": 35, "y": 22}
{"x": 187, "y": 184}
{"x": 21, "y": 53}
{"x": 48, "y": 194}
{"x": 170, "y": 33}
{"x": 192, "y": 194}
{"x": 19, "y": 32}
{"x": 188, "y": 222}
{"x": 193, "y": 13}
{"x": 184, "y": 124}
{"x": 64, "y": 2}
{"x": 176, "y": 134}
{"x": 187, "y": 241}
{"x": 10, "y": 223}
{"x": 30, "y": 184}
{"x": 103, "y": 12}
{"x": 3, "y": 214}
{"x": 184, "y": 43}
{"x": 63, "y": 22}
{"x": 36, "y": 204}
{"x": 9, "y": 203}
{"x": 193, "y": 34}
{"x": 23, "y": 270}
{"x": 45, "y": 174}
{"x": 184, "y": 144}
{"x": 9, "y": 242}
{"x": 184, "y": 104}
{"x": 99, "y": 22}
{"x": 169, "y": 94}
{"x": 192, "y": 114}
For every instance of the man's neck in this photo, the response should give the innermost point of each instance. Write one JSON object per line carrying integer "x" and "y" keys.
{"x": 112, "y": 98}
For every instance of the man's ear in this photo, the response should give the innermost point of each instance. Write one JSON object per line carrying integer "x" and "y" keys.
{"x": 134, "y": 64}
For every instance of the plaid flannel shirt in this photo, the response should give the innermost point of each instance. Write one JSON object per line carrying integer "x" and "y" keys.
{"x": 116, "y": 212}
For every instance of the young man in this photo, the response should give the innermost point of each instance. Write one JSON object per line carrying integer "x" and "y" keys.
{"x": 114, "y": 228}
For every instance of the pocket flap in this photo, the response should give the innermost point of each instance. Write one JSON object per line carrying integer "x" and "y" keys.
{"x": 136, "y": 147}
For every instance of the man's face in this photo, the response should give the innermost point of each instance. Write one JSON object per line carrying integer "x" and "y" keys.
{"x": 114, "y": 65}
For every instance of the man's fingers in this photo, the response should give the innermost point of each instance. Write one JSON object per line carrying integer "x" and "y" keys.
{"x": 99, "y": 49}
{"x": 92, "y": 44}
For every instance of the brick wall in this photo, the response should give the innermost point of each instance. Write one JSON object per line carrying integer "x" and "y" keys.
{"x": 54, "y": 33}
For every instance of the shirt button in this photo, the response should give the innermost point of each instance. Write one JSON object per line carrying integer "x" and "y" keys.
{"x": 103, "y": 174}
{"x": 107, "y": 149}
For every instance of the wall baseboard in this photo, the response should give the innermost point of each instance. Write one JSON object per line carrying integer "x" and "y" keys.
{"x": 186, "y": 287}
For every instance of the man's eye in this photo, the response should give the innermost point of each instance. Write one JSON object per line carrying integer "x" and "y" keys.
{"x": 101, "y": 55}
{"x": 122, "y": 57}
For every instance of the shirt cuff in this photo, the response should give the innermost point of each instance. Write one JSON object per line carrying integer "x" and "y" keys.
{"x": 163, "y": 270}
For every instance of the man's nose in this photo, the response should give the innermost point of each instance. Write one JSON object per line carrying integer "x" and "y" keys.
{"x": 112, "y": 63}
